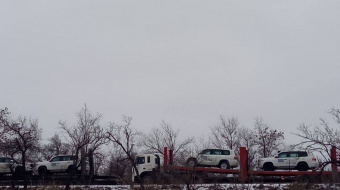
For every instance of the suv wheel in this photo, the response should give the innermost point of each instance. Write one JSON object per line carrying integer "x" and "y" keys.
{"x": 191, "y": 162}
{"x": 42, "y": 170}
{"x": 268, "y": 166}
{"x": 302, "y": 166}
{"x": 224, "y": 165}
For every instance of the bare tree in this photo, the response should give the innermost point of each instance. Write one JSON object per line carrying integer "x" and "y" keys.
{"x": 125, "y": 138}
{"x": 20, "y": 137}
{"x": 247, "y": 139}
{"x": 225, "y": 134}
{"x": 266, "y": 139}
{"x": 4, "y": 122}
{"x": 200, "y": 144}
{"x": 118, "y": 165}
{"x": 87, "y": 134}
{"x": 321, "y": 138}
{"x": 87, "y": 131}
{"x": 99, "y": 159}
{"x": 166, "y": 136}
{"x": 55, "y": 147}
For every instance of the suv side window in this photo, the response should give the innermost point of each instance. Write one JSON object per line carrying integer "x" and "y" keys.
{"x": 225, "y": 152}
{"x": 303, "y": 154}
{"x": 283, "y": 155}
{"x": 66, "y": 158}
{"x": 217, "y": 152}
{"x": 7, "y": 160}
{"x": 294, "y": 154}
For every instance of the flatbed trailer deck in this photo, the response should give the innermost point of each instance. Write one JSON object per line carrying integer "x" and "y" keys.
{"x": 244, "y": 174}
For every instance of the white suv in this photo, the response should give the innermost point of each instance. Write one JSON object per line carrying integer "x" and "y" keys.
{"x": 224, "y": 159}
{"x": 300, "y": 160}
{"x": 8, "y": 165}
{"x": 64, "y": 163}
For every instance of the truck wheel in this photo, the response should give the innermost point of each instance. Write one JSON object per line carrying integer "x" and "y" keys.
{"x": 42, "y": 170}
{"x": 147, "y": 179}
{"x": 224, "y": 165}
{"x": 72, "y": 170}
{"x": 302, "y": 166}
{"x": 268, "y": 166}
{"x": 191, "y": 162}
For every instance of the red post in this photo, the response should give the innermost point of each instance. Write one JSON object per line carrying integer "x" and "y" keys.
{"x": 243, "y": 177}
{"x": 165, "y": 165}
{"x": 333, "y": 159}
{"x": 171, "y": 157}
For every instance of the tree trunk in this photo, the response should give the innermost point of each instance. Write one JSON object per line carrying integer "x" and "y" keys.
{"x": 24, "y": 170}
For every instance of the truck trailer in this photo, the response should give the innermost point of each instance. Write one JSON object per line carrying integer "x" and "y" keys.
{"x": 150, "y": 171}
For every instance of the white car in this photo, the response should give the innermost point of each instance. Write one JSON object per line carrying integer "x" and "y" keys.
{"x": 289, "y": 160}
{"x": 224, "y": 159}
{"x": 62, "y": 163}
{"x": 8, "y": 166}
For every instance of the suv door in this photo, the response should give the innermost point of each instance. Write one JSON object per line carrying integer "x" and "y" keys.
{"x": 293, "y": 159}
{"x": 217, "y": 156}
{"x": 4, "y": 165}
{"x": 205, "y": 158}
{"x": 8, "y": 164}
{"x": 282, "y": 160}
{"x": 55, "y": 164}
{"x": 65, "y": 162}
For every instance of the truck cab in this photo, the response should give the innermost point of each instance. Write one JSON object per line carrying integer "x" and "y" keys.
{"x": 148, "y": 165}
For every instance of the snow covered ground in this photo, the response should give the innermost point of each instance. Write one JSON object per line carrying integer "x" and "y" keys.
{"x": 255, "y": 186}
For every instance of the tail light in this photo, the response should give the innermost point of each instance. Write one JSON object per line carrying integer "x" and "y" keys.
{"x": 314, "y": 159}
{"x": 235, "y": 157}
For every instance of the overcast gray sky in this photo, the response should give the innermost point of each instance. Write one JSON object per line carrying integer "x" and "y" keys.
{"x": 184, "y": 62}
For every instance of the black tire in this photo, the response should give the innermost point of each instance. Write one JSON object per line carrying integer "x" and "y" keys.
{"x": 191, "y": 162}
{"x": 42, "y": 170}
{"x": 268, "y": 166}
{"x": 71, "y": 170}
{"x": 224, "y": 165}
{"x": 302, "y": 166}
{"x": 147, "y": 179}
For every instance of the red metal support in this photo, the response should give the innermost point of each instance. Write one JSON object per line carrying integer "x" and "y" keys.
{"x": 243, "y": 177}
{"x": 333, "y": 159}
{"x": 171, "y": 157}
{"x": 165, "y": 165}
